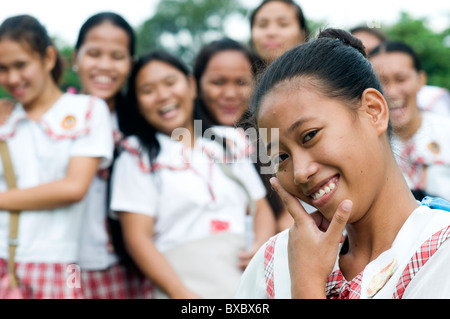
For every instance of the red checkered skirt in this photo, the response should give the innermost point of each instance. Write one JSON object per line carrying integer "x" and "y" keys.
{"x": 46, "y": 280}
{"x": 116, "y": 282}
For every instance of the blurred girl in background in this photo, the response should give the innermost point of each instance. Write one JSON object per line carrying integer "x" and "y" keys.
{"x": 171, "y": 193}
{"x": 421, "y": 139}
{"x": 276, "y": 26}
{"x": 103, "y": 58}
{"x": 57, "y": 144}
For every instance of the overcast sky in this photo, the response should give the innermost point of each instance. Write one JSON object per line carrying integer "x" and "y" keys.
{"x": 63, "y": 18}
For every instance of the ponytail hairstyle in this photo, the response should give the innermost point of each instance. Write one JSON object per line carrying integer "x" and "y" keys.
{"x": 335, "y": 64}
{"x": 27, "y": 29}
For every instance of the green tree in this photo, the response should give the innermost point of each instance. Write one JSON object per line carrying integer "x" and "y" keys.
{"x": 183, "y": 26}
{"x": 432, "y": 47}
{"x": 69, "y": 78}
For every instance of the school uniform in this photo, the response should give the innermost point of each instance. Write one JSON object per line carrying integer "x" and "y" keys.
{"x": 186, "y": 190}
{"x": 48, "y": 249}
{"x": 416, "y": 265}
{"x": 103, "y": 276}
{"x": 430, "y": 148}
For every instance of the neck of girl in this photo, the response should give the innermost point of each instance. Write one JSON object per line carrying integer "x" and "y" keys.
{"x": 406, "y": 132}
{"x": 39, "y": 106}
{"x": 375, "y": 232}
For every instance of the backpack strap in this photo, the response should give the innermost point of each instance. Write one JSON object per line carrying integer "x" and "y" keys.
{"x": 14, "y": 215}
{"x": 436, "y": 203}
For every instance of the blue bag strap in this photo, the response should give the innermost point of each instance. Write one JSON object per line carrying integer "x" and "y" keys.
{"x": 436, "y": 203}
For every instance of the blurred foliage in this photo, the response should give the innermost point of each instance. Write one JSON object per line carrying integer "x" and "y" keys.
{"x": 69, "y": 78}
{"x": 3, "y": 93}
{"x": 183, "y": 26}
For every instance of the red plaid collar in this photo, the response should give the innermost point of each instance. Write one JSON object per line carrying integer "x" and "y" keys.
{"x": 337, "y": 287}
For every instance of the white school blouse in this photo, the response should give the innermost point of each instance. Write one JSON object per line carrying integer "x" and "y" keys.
{"x": 429, "y": 146}
{"x": 267, "y": 275}
{"x": 96, "y": 250}
{"x": 76, "y": 125}
{"x": 185, "y": 190}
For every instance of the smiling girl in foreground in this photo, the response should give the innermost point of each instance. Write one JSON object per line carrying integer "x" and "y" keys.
{"x": 333, "y": 152}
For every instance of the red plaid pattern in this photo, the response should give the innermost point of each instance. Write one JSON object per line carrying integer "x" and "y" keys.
{"x": 116, "y": 282}
{"x": 138, "y": 286}
{"x": 339, "y": 288}
{"x": 45, "y": 280}
{"x": 109, "y": 283}
{"x": 268, "y": 267}
{"x": 420, "y": 258}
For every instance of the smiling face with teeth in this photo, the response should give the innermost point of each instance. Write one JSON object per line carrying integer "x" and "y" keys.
{"x": 322, "y": 159}
{"x": 165, "y": 97}
{"x": 104, "y": 61}
{"x": 401, "y": 84}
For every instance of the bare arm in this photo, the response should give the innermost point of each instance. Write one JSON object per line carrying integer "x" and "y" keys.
{"x": 71, "y": 189}
{"x": 138, "y": 236}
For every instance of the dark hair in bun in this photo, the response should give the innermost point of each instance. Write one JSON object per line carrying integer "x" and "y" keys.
{"x": 345, "y": 37}
{"x": 335, "y": 63}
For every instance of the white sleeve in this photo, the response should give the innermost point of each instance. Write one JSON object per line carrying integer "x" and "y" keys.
{"x": 433, "y": 279}
{"x": 249, "y": 176}
{"x": 442, "y": 105}
{"x": 253, "y": 284}
{"x": 132, "y": 190}
{"x": 99, "y": 141}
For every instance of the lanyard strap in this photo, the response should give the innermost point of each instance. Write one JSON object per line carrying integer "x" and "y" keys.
{"x": 14, "y": 215}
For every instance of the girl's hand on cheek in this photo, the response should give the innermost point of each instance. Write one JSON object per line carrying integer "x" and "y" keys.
{"x": 313, "y": 244}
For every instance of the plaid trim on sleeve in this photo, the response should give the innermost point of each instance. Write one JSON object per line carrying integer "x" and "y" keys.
{"x": 268, "y": 267}
{"x": 419, "y": 259}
